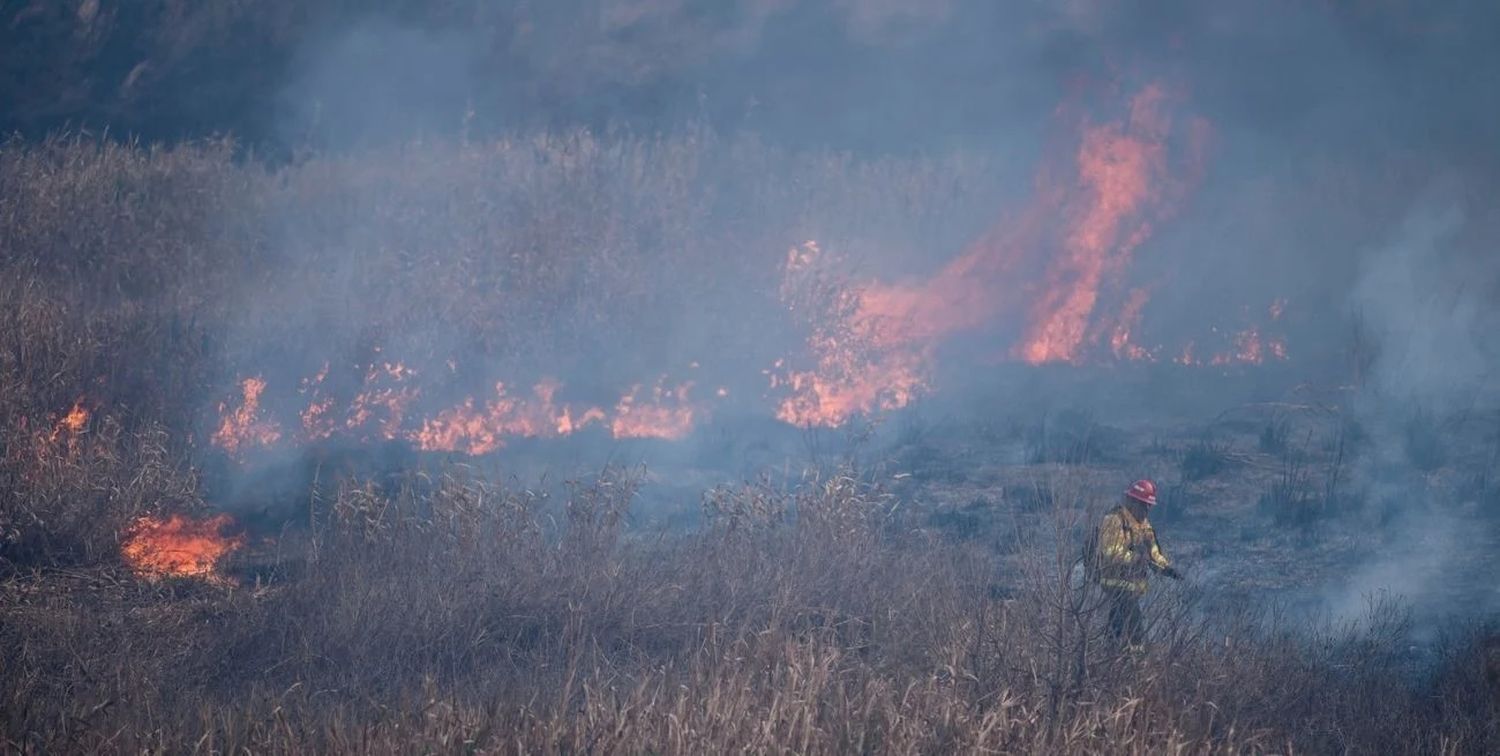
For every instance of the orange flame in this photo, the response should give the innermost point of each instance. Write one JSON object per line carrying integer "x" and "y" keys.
{"x": 1120, "y": 167}
{"x": 1248, "y": 347}
{"x": 69, "y": 426}
{"x": 389, "y": 403}
{"x": 317, "y": 421}
{"x": 863, "y": 360}
{"x": 473, "y": 426}
{"x": 818, "y": 399}
{"x": 1130, "y": 318}
{"x": 317, "y": 424}
{"x": 873, "y": 349}
{"x": 869, "y": 347}
{"x": 1277, "y": 347}
{"x": 480, "y": 430}
{"x": 1118, "y": 186}
{"x": 1187, "y": 358}
{"x": 243, "y": 427}
{"x": 179, "y": 546}
{"x": 386, "y": 401}
{"x": 666, "y": 413}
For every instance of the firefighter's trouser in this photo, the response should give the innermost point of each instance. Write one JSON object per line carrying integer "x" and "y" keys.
{"x": 1126, "y": 623}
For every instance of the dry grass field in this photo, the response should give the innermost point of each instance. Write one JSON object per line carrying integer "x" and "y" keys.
{"x": 444, "y": 607}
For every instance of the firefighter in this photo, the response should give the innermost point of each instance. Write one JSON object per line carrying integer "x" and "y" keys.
{"x": 1124, "y": 550}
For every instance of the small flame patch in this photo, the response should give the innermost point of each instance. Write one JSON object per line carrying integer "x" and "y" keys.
{"x": 72, "y": 425}
{"x": 180, "y": 546}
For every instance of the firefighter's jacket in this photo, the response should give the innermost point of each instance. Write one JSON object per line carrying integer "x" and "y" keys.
{"x": 1125, "y": 550}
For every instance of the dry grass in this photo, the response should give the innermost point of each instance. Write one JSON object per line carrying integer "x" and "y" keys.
{"x": 566, "y": 255}
{"x": 145, "y": 281}
{"x": 448, "y": 614}
{"x": 440, "y": 611}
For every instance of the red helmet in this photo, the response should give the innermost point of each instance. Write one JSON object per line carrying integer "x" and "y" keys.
{"x": 1143, "y": 491}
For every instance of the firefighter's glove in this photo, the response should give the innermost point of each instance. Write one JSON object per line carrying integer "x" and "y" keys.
{"x": 1172, "y": 572}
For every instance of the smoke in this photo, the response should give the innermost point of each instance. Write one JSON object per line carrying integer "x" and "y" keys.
{"x": 379, "y": 83}
{"x": 1293, "y": 154}
{"x": 1429, "y": 310}
{"x": 1424, "y": 301}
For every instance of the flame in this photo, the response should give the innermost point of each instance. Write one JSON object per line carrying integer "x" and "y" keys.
{"x": 970, "y": 291}
{"x": 1277, "y": 347}
{"x": 76, "y": 419}
{"x": 1187, "y": 358}
{"x": 1120, "y": 168}
{"x": 1049, "y": 283}
{"x": 179, "y": 546}
{"x": 242, "y": 427}
{"x": 473, "y": 426}
{"x": 463, "y": 428}
{"x": 818, "y": 399}
{"x": 477, "y": 430}
{"x": 874, "y": 344}
{"x": 1248, "y": 347}
{"x": 317, "y": 419}
{"x": 381, "y": 399}
{"x": 1116, "y": 186}
{"x": 1130, "y": 319}
{"x": 862, "y": 360}
{"x": 388, "y": 403}
{"x": 70, "y": 425}
{"x": 666, "y": 413}
{"x": 317, "y": 422}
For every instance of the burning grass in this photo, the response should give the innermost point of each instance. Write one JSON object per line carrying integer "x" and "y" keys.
{"x": 177, "y": 546}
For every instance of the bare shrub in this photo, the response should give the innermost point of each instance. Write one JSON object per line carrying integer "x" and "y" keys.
{"x": 1206, "y": 458}
{"x": 1291, "y": 499}
{"x": 1072, "y": 437}
{"x": 1275, "y": 435}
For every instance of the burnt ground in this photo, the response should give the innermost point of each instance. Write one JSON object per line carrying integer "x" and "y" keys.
{"x": 1290, "y": 500}
{"x": 1248, "y": 518}
{"x": 1317, "y": 500}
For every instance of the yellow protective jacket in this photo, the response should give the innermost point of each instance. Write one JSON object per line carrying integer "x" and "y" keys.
{"x": 1125, "y": 550}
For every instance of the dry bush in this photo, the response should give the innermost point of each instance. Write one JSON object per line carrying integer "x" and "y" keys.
{"x": 553, "y": 255}
{"x": 1206, "y": 458}
{"x": 146, "y": 280}
{"x": 68, "y": 498}
{"x": 451, "y": 613}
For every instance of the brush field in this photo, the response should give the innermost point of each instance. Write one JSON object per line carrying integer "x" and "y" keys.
{"x": 895, "y": 587}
